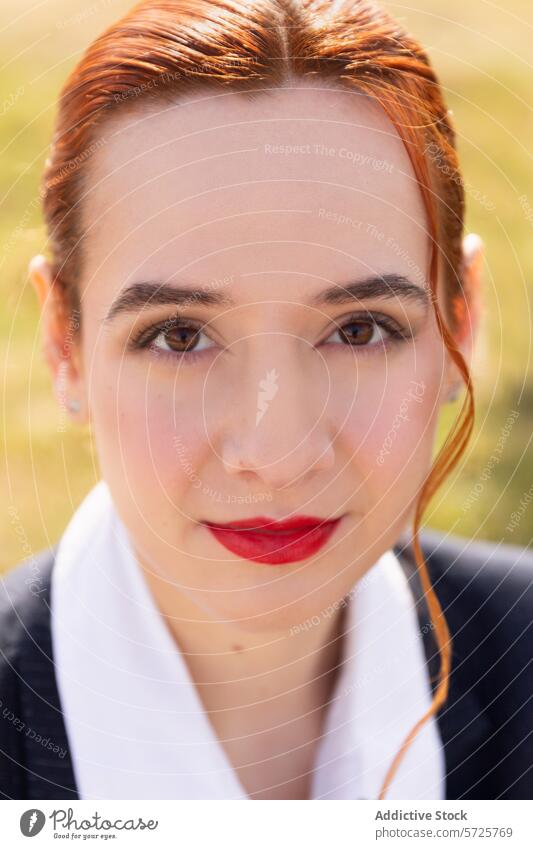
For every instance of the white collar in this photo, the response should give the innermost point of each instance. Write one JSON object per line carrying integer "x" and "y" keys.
{"x": 135, "y": 723}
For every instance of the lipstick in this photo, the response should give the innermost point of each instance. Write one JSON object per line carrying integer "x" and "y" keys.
{"x": 265, "y": 540}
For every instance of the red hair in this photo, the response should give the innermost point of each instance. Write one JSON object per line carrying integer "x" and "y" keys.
{"x": 162, "y": 48}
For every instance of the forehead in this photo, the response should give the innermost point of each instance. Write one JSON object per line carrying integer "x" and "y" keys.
{"x": 308, "y": 177}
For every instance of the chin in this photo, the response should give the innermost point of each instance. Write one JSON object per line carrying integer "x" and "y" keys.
{"x": 287, "y": 603}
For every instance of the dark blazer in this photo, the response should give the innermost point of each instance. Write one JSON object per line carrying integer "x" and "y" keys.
{"x": 486, "y": 725}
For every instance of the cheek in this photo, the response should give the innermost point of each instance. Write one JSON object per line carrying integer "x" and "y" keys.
{"x": 149, "y": 439}
{"x": 390, "y": 430}
{"x": 402, "y": 432}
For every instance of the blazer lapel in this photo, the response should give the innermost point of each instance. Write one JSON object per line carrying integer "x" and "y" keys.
{"x": 462, "y": 722}
{"x": 47, "y": 762}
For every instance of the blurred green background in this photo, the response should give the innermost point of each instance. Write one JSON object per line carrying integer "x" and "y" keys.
{"x": 482, "y": 52}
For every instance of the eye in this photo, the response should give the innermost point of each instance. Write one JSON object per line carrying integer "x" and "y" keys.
{"x": 174, "y": 337}
{"x": 180, "y": 339}
{"x": 367, "y": 330}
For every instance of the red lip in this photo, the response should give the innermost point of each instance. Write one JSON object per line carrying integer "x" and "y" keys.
{"x": 265, "y": 540}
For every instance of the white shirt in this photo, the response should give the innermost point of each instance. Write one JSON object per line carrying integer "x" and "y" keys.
{"x": 136, "y": 725}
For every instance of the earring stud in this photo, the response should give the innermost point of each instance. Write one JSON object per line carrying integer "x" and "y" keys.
{"x": 74, "y": 405}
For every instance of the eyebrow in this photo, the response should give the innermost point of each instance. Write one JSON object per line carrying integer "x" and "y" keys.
{"x": 386, "y": 286}
{"x": 382, "y": 286}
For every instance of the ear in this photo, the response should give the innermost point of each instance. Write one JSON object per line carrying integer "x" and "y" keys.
{"x": 60, "y": 346}
{"x": 467, "y": 306}
{"x": 468, "y": 326}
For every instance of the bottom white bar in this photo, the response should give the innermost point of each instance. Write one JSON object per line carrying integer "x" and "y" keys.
{"x": 268, "y": 825}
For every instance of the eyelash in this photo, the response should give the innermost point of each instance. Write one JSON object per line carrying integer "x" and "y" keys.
{"x": 143, "y": 338}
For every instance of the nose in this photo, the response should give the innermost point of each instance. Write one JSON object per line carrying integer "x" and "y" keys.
{"x": 279, "y": 429}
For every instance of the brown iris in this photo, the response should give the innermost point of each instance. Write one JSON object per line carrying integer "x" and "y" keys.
{"x": 181, "y": 338}
{"x": 360, "y": 332}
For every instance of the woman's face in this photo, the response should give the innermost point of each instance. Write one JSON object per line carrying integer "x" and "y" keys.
{"x": 287, "y": 360}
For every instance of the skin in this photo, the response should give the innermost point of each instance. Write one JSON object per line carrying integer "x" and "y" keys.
{"x": 198, "y": 195}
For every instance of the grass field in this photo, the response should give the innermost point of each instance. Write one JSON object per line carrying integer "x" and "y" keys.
{"x": 482, "y": 51}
